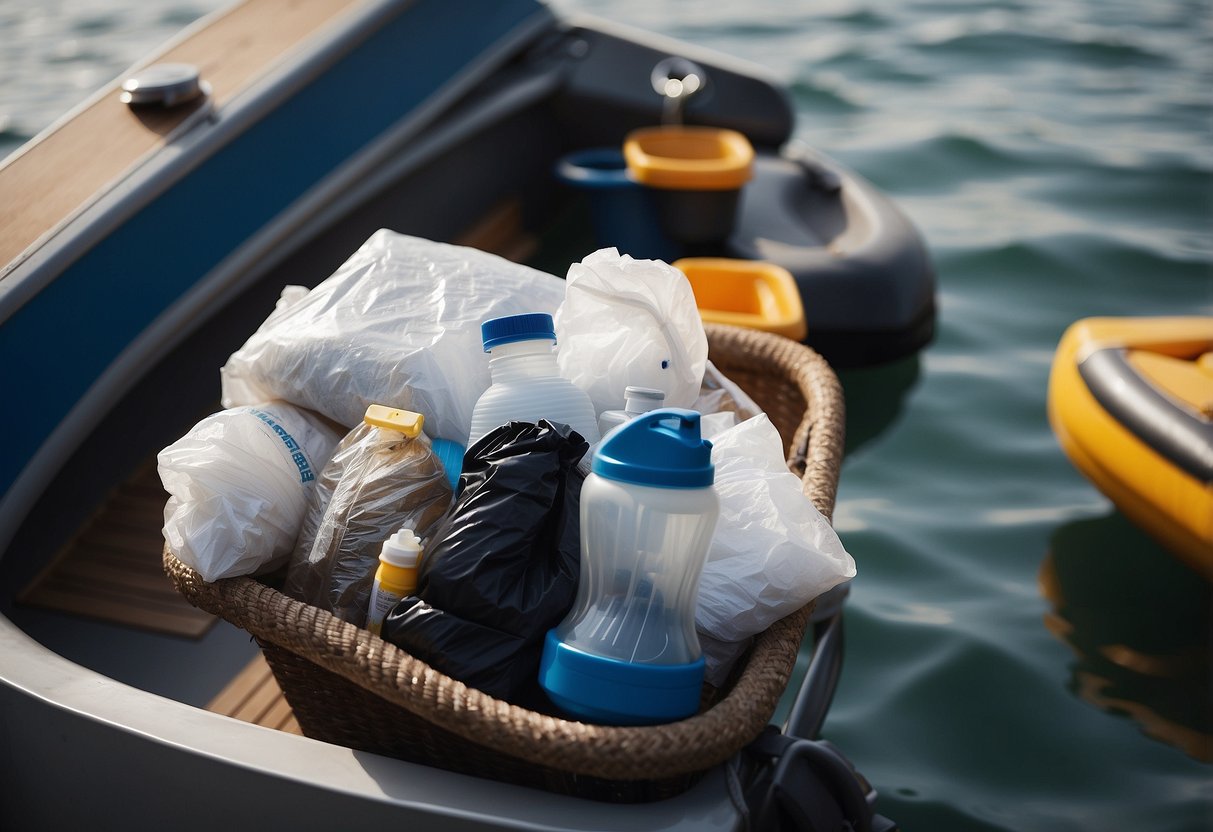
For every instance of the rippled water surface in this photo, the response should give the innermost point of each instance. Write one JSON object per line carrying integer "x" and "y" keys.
{"x": 1019, "y": 656}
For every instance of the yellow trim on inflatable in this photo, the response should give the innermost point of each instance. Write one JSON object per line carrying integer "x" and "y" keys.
{"x": 1171, "y": 354}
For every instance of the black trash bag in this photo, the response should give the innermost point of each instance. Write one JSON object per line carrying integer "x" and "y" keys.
{"x": 502, "y": 568}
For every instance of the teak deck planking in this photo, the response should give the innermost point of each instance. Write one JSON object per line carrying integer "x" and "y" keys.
{"x": 45, "y": 184}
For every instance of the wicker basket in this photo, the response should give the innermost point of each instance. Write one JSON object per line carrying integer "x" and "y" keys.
{"x": 351, "y": 688}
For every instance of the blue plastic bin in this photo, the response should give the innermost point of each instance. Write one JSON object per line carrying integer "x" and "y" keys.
{"x": 622, "y": 211}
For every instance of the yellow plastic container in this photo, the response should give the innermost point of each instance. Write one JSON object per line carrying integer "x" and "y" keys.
{"x": 693, "y": 176}
{"x": 747, "y": 293}
{"x": 689, "y": 158}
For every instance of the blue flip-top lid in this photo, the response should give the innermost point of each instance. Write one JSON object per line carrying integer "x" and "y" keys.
{"x": 529, "y": 327}
{"x": 661, "y": 448}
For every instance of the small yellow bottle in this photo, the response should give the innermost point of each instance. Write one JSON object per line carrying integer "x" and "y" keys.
{"x": 396, "y": 576}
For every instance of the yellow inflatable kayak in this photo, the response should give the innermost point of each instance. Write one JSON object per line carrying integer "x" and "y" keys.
{"x": 1131, "y": 401}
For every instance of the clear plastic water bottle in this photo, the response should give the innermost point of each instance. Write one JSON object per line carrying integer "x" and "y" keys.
{"x": 627, "y": 652}
{"x": 527, "y": 385}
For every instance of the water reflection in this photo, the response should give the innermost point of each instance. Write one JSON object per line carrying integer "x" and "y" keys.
{"x": 1141, "y": 626}
{"x": 875, "y": 396}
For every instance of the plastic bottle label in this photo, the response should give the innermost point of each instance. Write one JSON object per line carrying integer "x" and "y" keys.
{"x": 382, "y": 601}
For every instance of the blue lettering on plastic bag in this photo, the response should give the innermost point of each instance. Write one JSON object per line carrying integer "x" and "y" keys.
{"x": 305, "y": 468}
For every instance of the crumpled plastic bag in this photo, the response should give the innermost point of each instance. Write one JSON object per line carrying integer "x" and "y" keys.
{"x": 719, "y": 393}
{"x": 377, "y": 482}
{"x": 630, "y": 322}
{"x": 397, "y": 324}
{"x": 502, "y": 569}
{"x": 772, "y": 552}
{"x": 239, "y": 482}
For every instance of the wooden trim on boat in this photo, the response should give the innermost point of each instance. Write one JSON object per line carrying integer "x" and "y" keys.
{"x": 57, "y": 175}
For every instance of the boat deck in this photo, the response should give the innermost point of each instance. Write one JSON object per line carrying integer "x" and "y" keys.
{"x": 111, "y": 569}
{"x": 254, "y": 696}
{"x": 111, "y": 572}
{"x": 88, "y": 584}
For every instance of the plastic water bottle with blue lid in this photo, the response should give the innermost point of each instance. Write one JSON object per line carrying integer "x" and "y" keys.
{"x": 527, "y": 385}
{"x": 627, "y": 653}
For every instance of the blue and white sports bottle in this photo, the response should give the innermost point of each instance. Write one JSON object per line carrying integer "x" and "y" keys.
{"x": 627, "y": 653}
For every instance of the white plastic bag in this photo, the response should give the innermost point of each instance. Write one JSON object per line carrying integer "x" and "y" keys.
{"x": 239, "y": 483}
{"x": 397, "y": 324}
{"x": 630, "y": 322}
{"x": 720, "y": 393}
{"x": 772, "y": 552}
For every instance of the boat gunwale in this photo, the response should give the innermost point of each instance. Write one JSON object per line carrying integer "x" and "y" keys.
{"x": 57, "y": 692}
{"x": 210, "y": 108}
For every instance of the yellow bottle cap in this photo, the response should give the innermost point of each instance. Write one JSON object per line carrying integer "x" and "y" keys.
{"x": 392, "y": 418}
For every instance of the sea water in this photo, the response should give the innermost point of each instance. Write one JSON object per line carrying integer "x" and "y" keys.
{"x": 1019, "y": 656}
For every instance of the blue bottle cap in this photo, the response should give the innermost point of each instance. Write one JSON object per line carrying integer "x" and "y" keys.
{"x": 598, "y": 689}
{"x": 511, "y": 328}
{"x": 661, "y": 448}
